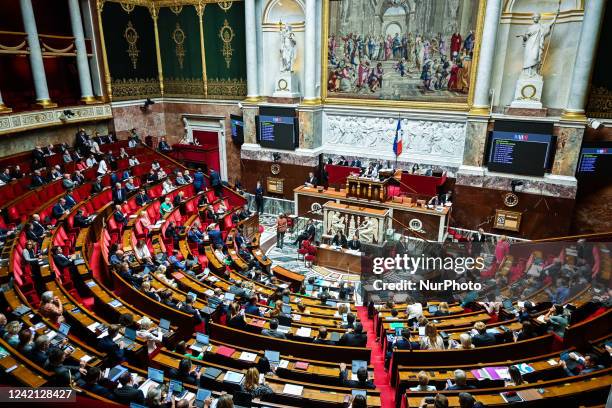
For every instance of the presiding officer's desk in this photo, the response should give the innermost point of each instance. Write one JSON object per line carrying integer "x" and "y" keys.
{"x": 340, "y": 259}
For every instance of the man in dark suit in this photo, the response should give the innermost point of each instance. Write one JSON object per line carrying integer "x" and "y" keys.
{"x": 142, "y": 198}
{"x": 187, "y": 307}
{"x": 308, "y": 233}
{"x": 129, "y": 391}
{"x": 350, "y": 321}
{"x": 37, "y": 179}
{"x": 62, "y": 374}
{"x": 482, "y": 338}
{"x": 198, "y": 181}
{"x": 82, "y": 141}
{"x": 163, "y": 146}
{"x": 61, "y": 260}
{"x": 97, "y": 186}
{"x": 356, "y": 163}
{"x": 114, "y": 351}
{"x": 38, "y": 158}
{"x": 311, "y": 181}
{"x": 273, "y": 330}
{"x": 354, "y": 244}
{"x": 60, "y": 209}
{"x": 215, "y": 237}
{"x": 178, "y": 198}
{"x": 362, "y": 378}
{"x": 37, "y": 228}
{"x": 80, "y": 220}
{"x": 119, "y": 194}
{"x": 215, "y": 182}
{"x": 322, "y": 337}
{"x": 355, "y": 338}
{"x": 119, "y": 216}
{"x": 339, "y": 240}
{"x": 92, "y": 383}
{"x": 40, "y": 351}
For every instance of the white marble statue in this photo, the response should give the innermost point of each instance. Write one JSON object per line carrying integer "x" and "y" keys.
{"x": 337, "y": 223}
{"x": 287, "y": 48}
{"x": 533, "y": 41}
{"x": 366, "y": 231}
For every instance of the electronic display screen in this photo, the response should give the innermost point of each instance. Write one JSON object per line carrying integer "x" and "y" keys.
{"x": 519, "y": 153}
{"x": 277, "y": 132}
{"x": 595, "y": 161}
{"x": 237, "y": 126}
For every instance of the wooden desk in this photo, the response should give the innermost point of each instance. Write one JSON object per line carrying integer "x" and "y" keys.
{"x": 341, "y": 259}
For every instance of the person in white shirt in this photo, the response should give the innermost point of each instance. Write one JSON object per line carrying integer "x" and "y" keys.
{"x": 167, "y": 186}
{"x": 161, "y": 174}
{"x": 150, "y": 334}
{"x": 142, "y": 251}
{"x": 102, "y": 167}
{"x": 432, "y": 340}
{"x": 133, "y": 161}
{"x": 94, "y": 147}
{"x": 91, "y": 161}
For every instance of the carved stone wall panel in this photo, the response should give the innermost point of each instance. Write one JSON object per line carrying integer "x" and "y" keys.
{"x": 426, "y": 142}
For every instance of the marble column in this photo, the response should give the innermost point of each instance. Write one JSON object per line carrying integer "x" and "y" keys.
{"x": 81, "y": 52}
{"x": 585, "y": 60}
{"x": 310, "y": 62}
{"x": 251, "y": 50}
{"x": 36, "y": 60}
{"x": 485, "y": 59}
{"x": 3, "y": 107}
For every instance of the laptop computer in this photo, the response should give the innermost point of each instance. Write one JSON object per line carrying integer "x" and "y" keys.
{"x": 164, "y": 325}
{"x": 286, "y": 299}
{"x": 309, "y": 288}
{"x": 273, "y": 357}
{"x": 176, "y": 388}
{"x": 62, "y": 333}
{"x": 359, "y": 392}
{"x": 357, "y": 364}
{"x": 128, "y": 337}
{"x": 230, "y": 297}
{"x": 115, "y": 372}
{"x": 201, "y": 395}
{"x": 154, "y": 377}
{"x": 286, "y": 309}
{"x": 432, "y": 309}
{"x": 202, "y": 341}
{"x": 330, "y": 303}
{"x": 507, "y": 304}
{"x": 193, "y": 295}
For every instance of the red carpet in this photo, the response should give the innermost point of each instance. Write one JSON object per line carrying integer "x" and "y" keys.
{"x": 381, "y": 377}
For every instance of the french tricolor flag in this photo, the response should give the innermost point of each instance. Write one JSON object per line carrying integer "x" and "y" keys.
{"x": 399, "y": 139}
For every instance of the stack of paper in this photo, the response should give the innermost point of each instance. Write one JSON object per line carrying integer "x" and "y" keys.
{"x": 303, "y": 332}
{"x": 283, "y": 364}
{"x": 233, "y": 377}
{"x": 292, "y": 389}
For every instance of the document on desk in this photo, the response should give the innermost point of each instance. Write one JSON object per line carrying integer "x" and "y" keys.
{"x": 292, "y": 389}
{"x": 246, "y": 356}
{"x": 233, "y": 377}
{"x": 283, "y": 364}
{"x": 303, "y": 332}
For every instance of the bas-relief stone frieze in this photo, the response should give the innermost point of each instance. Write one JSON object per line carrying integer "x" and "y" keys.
{"x": 285, "y": 157}
{"x": 546, "y": 186}
{"x": 439, "y": 141}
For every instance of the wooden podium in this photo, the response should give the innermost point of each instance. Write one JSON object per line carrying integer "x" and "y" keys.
{"x": 367, "y": 188}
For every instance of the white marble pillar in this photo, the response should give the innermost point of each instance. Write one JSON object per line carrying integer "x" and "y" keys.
{"x": 81, "y": 52}
{"x": 3, "y": 107}
{"x": 251, "y": 50}
{"x": 485, "y": 59}
{"x": 585, "y": 59}
{"x": 36, "y": 60}
{"x": 310, "y": 61}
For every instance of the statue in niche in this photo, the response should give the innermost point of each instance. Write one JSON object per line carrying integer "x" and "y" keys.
{"x": 287, "y": 49}
{"x": 533, "y": 41}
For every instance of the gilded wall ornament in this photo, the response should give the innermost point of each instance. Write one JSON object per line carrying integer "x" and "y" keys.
{"x": 131, "y": 36}
{"x": 226, "y": 33}
{"x": 176, "y": 9}
{"x": 178, "y": 36}
{"x": 225, "y": 5}
{"x": 128, "y": 7}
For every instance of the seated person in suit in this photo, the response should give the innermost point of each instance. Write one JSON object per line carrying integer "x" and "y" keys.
{"x": 311, "y": 181}
{"x": 119, "y": 216}
{"x": 481, "y": 337}
{"x": 62, "y": 374}
{"x": 40, "y": 350}
{"x": 586, "y": 364}
{"x": 354, "y": 338}
{"x": 180, "y": 179}
{"x": 188, "y": 307}
{"x": 423, "y": 383}
{"x": 252, "y": 308}
{"x": 339, "y": 239}
{"x": 175, "y": 261}
{"x": 215, "y": 236}
{"x": 172, "y": 232}
{"x": 273, "y": 330}
{"x": 163, "y": 146}
{"x": 142, "y": 198}
{"x": 185, "y": 372}
{"x": 322, "y": 337}
{"x": 350, "y": 321}
{"x": 127, "y": 274}
{"x": 92, "y": 383}
{"x": 114, "y": 351}
{"x": 354, "y": 243}
{"x": 179, "y": 198}
{"x": 129, "y": 184}
{"x": 80, "y": 220}
{"x": 308, "y": 233}
{"x": 119, "y": 194}
{"x": 129, "y": 391}
{"x": 60, "y": 208}
{"x": 37, "y": 179}
{"x": 362, "y": 378}
{"x": 67, "y": 182}
{"x": 460, "y": 382}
